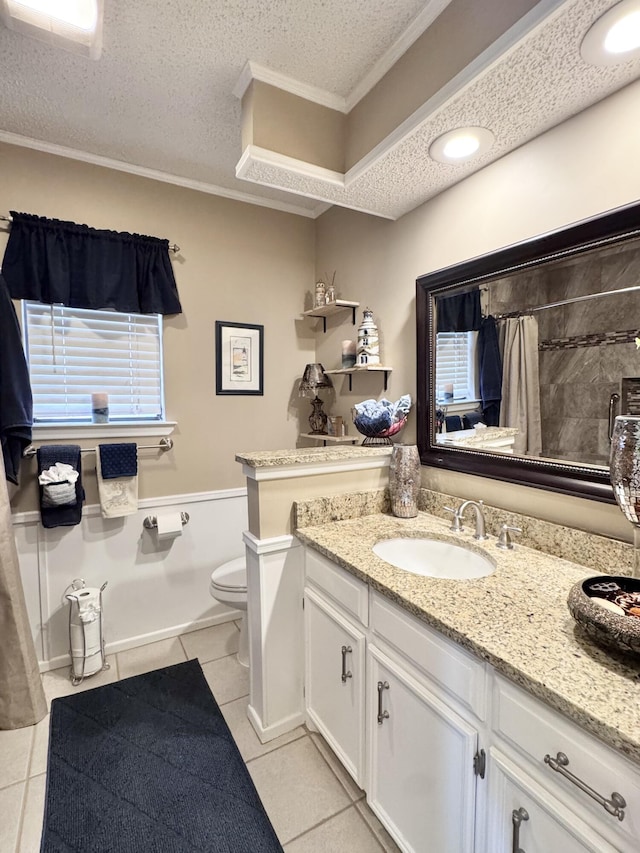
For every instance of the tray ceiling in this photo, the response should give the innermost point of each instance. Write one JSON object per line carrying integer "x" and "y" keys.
{"x": 160, "y": 100}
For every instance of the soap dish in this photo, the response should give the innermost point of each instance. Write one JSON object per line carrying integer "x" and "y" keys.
{"x": 607, "y": 608}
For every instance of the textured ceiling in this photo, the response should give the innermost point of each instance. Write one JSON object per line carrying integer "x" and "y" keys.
{"x": 161, "y": 95}
{"x": 537, "y": 84}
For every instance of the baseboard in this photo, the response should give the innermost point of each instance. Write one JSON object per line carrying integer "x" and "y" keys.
{"x": 280, "y": 728}
{"x": 145, "y": 639}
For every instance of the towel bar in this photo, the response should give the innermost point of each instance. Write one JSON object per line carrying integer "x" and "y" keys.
{"x": 163, "y": 444}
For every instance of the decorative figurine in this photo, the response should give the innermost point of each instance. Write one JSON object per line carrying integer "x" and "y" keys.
{"x": 320, "y": 294}
{"x": 368, "y": 351}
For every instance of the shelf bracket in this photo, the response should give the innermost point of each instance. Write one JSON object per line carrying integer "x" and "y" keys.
{"x": 353, "y": 315}
{"x": 324, "y": 325}
{"x": 350, "y": 378}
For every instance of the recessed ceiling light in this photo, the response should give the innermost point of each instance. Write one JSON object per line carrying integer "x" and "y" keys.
{"x": 74, "y": 25}
{"x": 615, "y": 37}
{"x": 460, "y": 145}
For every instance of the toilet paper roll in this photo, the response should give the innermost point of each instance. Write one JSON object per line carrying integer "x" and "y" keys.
{"x": 169, "y": 525}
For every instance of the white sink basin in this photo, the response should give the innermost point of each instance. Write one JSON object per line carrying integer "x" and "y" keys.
{"x": 434, "y": 558}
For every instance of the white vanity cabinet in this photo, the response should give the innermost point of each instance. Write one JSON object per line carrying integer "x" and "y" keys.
{"x": 335, "y": 616}
{"x": 426, "y": 702}
{"x": 563, "y": 815}
{"x": 411, "y": 715}
{"x": 525, "y": 817}
{"x": 420, "y": 779}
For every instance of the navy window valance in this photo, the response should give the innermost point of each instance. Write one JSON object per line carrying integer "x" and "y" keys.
{"x": 459, "y": 313}
{"x": 56, "y": 262}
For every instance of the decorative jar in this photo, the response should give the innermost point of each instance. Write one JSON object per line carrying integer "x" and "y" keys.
{"x": 404, "y": 480}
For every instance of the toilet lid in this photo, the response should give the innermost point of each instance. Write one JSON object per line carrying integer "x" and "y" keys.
{"x": 231, "y": 575}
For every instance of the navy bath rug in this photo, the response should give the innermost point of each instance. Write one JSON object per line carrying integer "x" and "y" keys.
{"x": 148, "y": 765}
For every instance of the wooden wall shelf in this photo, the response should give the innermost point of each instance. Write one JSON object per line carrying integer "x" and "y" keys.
{"x": 364, "y": 368}
{"x": 331, "y": 308}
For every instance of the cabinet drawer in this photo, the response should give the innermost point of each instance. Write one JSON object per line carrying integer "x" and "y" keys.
{"x": 535, "y": 730}
{"x": 542, "y": 824}
{"x": 454, "y": 669}
{"x": 350, "y": 593}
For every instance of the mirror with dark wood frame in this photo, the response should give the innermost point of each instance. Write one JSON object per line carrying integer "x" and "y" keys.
{"x": 526, "y": 354}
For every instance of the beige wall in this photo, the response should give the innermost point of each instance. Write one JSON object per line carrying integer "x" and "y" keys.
{"x": 460, "y": 34}
{"x": 238, "y": 262}
{"x": 249, "y": 264}
{"x": 291, "y": 125}
{"x": 579, "y": 169}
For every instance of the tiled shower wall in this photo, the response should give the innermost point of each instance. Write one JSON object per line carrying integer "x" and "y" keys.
{"x": 578, "y": 374}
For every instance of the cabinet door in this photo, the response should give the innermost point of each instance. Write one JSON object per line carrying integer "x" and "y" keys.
{"x": 334, "y": 681}
{"x": 542, "y": 824}
{"x": 421, "y": 781}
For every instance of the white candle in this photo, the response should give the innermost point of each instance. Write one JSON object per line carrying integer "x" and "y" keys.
{"x": 100, "y": 407}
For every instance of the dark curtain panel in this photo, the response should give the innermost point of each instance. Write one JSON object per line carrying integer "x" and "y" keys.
{"x": 16, "y": 408}
{"x": 490, "y": 364}
{"x": 459, "y": 313}
{"x": 51, "y": 261}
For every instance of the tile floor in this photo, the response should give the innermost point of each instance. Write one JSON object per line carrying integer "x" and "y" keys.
{"x": 313, "y": 803}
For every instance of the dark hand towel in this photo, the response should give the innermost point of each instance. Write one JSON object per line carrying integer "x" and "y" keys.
{"x": 118, "y": 460}
{"x": 471, "y": 419}
{"x": 453, "y": 423}
{"x": 68, "y": 514}
{"x": 16, "y": 409}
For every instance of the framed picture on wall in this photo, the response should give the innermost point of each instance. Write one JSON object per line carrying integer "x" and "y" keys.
{"x": 239, "y": 358}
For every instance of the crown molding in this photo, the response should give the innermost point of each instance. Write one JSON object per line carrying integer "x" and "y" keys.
{"x": 151, "y": 174}
{"x": 254, "y": 159}
{"x": 401, "y": 45}
{"x": 254, "y": 71}
{"x": 255, "y": 154}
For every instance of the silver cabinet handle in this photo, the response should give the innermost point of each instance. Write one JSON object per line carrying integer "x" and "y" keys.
{"x": 517, "y": 816}
{"x": 382, "y": 715}
{"x": 345, "y": 674}
{"x": 614, "y": 806}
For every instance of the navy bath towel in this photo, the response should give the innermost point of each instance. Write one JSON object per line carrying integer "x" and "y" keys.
{"x": 67, "y": 514}
{"x": 490, "y": 371}
{"x": 118, "y": 460}
{"x": 16, "y": 407}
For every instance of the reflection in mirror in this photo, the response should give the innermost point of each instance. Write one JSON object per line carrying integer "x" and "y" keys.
{"x": 530, "y": 353}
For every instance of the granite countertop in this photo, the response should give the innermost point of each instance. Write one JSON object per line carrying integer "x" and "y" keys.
{"x": 308, "y": 455}
{"x": 516, "y": 619}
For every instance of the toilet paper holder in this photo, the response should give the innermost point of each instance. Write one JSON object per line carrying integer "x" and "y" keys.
{"x": 151, "y": 521}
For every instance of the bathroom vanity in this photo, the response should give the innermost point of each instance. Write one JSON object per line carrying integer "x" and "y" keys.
{"x": 442, "y": 698}
{"x": 453, "y": 703}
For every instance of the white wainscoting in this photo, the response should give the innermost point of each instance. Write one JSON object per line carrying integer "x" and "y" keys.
{"x": 155, "y": 589}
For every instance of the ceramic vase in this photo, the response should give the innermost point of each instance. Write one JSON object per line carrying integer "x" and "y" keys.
{"x": 404, "y": 480}
{"x": 625, "y": 475}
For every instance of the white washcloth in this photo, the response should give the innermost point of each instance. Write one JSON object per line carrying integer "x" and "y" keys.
{"x": 58, "y": 485}
{"x": 118, "y": 496}
{"x": 58, "y": 473}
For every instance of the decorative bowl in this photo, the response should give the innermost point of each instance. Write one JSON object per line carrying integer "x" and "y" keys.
{"x": 378, "y": 420}
{"x": 615, "y": 624}
{"x": 383, "y": 437}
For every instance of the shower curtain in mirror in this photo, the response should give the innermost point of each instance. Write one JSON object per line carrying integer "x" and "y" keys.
{"x": 521, "y": 383}
{"x": 22, "y": 701}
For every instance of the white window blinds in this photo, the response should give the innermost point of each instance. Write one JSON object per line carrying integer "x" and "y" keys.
{"x": 73, "y": 352}
{"x": 456, "y": 367}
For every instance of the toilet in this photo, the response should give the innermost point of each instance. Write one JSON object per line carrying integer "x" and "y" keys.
{"x": 229, "y": 586}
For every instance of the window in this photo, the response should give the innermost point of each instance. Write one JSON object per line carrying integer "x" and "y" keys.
{"x": 74, "y": 352}
{"x": 456, "y": 367}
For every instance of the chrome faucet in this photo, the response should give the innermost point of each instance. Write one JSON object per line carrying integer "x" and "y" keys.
{"x": 478, "y": 508}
